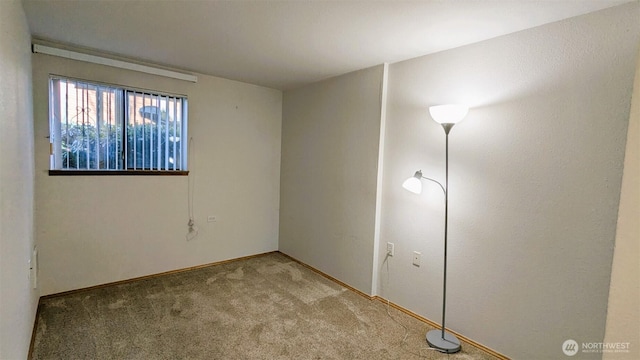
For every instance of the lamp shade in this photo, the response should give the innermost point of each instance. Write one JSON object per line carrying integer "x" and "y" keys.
{"x": 448, "y": 114}
{"x": 413, "y": 184}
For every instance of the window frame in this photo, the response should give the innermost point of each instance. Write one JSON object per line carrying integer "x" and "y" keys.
{"x": 122, "y": 117}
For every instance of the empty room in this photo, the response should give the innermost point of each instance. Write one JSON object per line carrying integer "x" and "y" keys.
{"x": 319, "y": 179}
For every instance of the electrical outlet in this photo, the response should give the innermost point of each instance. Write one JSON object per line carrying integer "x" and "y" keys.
{"x": 416, "y": 258}
{"x": 390, "y": 249}
{"x": 211, "y": 218}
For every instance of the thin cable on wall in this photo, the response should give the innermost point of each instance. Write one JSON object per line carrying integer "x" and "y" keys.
{"x": 191, "y": 183}
{"x": 406, "y": 330}
{"x": 403, "y": 343}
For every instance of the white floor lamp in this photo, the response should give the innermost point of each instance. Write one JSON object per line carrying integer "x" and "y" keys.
{"x": 447, "y": 116}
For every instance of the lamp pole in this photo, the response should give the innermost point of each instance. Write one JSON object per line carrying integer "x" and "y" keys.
{"x": 447, "y": 128}
{"x": 442, "y": 340}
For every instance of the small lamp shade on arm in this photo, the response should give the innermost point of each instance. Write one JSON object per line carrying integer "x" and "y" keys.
{"x": 413, "y": 183}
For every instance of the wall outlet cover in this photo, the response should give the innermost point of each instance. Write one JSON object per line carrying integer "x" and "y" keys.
{"x": 416, "y": 258}
{"x": 390, "y": 249}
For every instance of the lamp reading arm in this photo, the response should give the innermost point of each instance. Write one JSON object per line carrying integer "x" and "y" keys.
{"x": 437, "y": 182}
{"x": 413, "y": 183}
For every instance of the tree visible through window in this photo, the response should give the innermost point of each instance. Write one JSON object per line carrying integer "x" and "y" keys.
{"x": 102, "y": 127}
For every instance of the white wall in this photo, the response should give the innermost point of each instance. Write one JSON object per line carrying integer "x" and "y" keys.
{"x": 17, "y": 299}
{"x": 330, "y": 143}
{"x": 535, "y": 173}
{"x": 623, "y": 315}
{"x": 98, "y": 229}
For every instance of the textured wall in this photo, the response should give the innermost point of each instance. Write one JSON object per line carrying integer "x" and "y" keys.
{"x": 330, "y": 141}
{"x": 98, "y": 229}
{"x": 17, "y": 299}
{"x": 535, "y": 173}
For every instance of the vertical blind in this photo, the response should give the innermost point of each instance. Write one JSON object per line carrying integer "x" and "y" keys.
{"x": 102, "y": 127}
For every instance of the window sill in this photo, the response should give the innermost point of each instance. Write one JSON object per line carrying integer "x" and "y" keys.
{"x": 117, "y": 172}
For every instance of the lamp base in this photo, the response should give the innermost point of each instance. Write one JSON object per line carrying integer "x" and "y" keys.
{"x": 450, "y": 344}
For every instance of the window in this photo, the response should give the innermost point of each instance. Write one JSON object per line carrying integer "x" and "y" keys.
{"x": 98, "y": 128}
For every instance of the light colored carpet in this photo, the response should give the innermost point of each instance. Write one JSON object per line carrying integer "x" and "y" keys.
{"x": 266, "y": 307}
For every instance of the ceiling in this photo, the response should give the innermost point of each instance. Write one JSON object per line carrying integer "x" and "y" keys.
{"x": 286, "y": 44}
